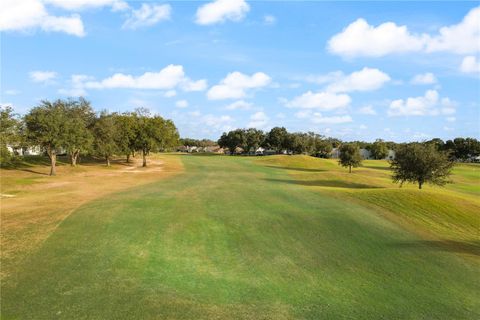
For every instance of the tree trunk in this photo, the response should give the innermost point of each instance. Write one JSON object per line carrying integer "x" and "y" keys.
{"x": 350, "y": 169}
{"x": 128, "y": 157}
{"x": 53, "y": 160}
{"x": 133, "y": 153}
{"x": 107, "y": 160}
{"x": 144, "y": 154}
{"x": 420, "y": 184}
{"x": 73, "y": 158}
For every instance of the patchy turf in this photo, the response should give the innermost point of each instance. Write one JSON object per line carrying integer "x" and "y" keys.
{"x": 33, "y": 203}
{"x": 248, "y": 238}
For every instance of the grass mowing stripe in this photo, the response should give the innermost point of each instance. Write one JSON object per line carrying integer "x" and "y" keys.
{"x": 228, "y": 239}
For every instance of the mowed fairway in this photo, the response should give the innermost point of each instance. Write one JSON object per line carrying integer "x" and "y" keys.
{"x": 249, "y": 238}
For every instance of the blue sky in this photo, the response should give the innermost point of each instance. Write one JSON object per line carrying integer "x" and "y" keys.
{"x": 353, "y": 70}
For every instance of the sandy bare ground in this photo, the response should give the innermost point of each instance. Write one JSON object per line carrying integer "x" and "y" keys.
{"x": 33, "y": 204}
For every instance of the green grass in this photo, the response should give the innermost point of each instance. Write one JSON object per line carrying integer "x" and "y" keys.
{"x": 248, "y": 238}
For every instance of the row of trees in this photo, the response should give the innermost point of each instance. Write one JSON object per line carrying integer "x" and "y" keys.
{"x": 72, "y": 127}
{"x": 278, "y": 139}
{"x": 188, "y": 142}
{"x": 459, "y": 148}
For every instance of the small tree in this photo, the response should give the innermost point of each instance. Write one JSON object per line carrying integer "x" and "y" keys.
{"x": 379, "y": 149}
{"x": 127, "y": 126}
{"x": 46, "y": 127}
{"x": 153, "y": 133}
{"x": 80, "y": 120}
{"x": 104, "y": 132}
{"x": 350, "y": 156}
{"x": 420, "y": 163}
{"x": 10, "y": 133}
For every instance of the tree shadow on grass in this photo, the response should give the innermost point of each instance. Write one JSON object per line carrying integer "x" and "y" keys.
{"x": 471, "y": 247}
{"x": 297, "y": 169}
{"x": 327, "y": 183}
{"x": 34, "y": 171}
{"x": 376, "y": 168}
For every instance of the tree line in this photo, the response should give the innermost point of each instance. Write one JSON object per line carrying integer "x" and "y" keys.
{"x": 417, "y": 162}
{"x": 72, "y": 127}
{"x": 279, "y": 140}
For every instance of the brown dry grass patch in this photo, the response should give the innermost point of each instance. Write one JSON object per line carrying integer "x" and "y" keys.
{"x": 33, "y": 204}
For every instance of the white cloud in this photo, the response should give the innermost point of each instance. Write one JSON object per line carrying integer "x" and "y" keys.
{"x": 462, "y": 38}
{"x": 116, "y": 5}
{"x": 222, "y": 122}
{"x": 42, "y": 76}
{"x": 170, "y": 93}
{"x": 166, "y": 79}
{"x": 11, "y": 92}
{"x": 181, "y": 103}
{"x": 317, "y": 117}
{"x": 429, "y": 104}
{"x": 320, "y": 101}
{"x": 190, "y": 85}
{"x": 269, "y": 20}
{"x": 147, "y": 15}
{"x": 77, "y": 86}
{"x": 424, "y": 78}
{"x": 451, "y": 119}
{"x": 235, "y": 84}
{"x": 194, "y": 114}
{"x": 470, "y": 64}
{"x": 258, "y": 120}
{"x": 240, "y": 104}
{"x": 362, "y": 39}
{"x": 368, "y": 110}
{"x": 27, "y": 15}
{"x": 219, "y": 11}
{"x": 324, "y": 78}
{"x": 367, "y": 79}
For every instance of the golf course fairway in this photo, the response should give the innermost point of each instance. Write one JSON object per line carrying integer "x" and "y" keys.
{"x": 257, "y": 238}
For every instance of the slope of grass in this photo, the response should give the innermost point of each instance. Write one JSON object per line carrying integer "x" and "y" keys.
{"x": 448, "y": 214}
{"x": 230, "y": 238}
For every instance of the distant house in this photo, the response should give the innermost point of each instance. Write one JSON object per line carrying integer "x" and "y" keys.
{"x": 390, "y": 155}
{"x": 335, "y": 153}
{"x": 260, "y": 151}
{"x": 25, "y": 151}
{"x": 213, "y": 149}
{"x": 238, "y": 150}
{"x": 365, "y": 154}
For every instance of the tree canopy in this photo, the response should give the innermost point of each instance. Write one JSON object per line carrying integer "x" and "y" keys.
{"x": 421, "y": 163}
{"x": 379, "y": 149}
{"x": 350, "y": 156}
{"x": 105, "y": 132}
{"x": 10, "y": 133}
{"x": 47, "y": 127}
